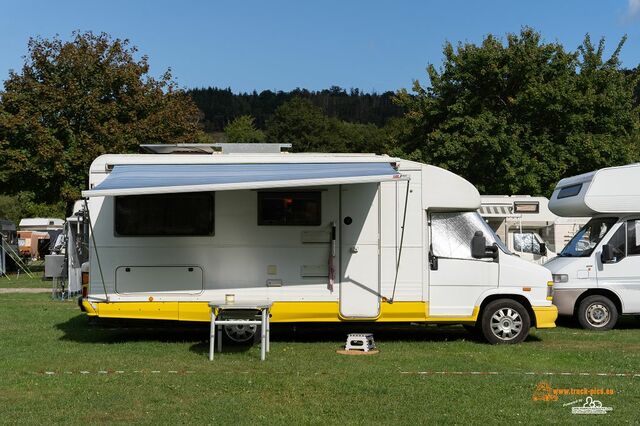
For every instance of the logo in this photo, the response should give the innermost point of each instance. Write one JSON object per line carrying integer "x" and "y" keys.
{"x": 591, "y": 406}
{"x": 544, "y": 392}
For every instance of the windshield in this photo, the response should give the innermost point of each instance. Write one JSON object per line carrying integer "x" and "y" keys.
{"x": 585, "y": 241}
{"x": 452, "y": 234}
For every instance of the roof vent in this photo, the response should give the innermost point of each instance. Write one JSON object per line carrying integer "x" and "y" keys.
{"x": 224, "y": 148}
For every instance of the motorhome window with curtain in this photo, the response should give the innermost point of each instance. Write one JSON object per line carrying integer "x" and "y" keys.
{"x": 180, "y": 214}
{"x": 289, "y": 208}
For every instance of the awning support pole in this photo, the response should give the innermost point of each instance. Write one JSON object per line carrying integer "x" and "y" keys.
{"x": 95, "y": 248}
{"x": 404, "y": 220}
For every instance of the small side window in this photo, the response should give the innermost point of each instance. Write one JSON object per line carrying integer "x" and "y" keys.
{"x": 569, "y": 191}
{"x": 289, "y": 208}
{"x": 633, "y": 237}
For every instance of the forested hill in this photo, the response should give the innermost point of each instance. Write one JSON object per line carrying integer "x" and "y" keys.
{"x": 221, "y": 106}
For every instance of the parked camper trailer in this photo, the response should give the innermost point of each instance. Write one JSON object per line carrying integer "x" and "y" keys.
{"x": 597, "y": 275}
{"x": 323, "y": 237}
{"x": 36, "y": 234}
{"x": 527, "y": 226}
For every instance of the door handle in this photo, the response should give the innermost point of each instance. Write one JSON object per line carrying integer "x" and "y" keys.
{"x": 353, "y": 249}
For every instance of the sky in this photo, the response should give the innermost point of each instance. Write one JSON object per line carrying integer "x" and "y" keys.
{"x": 280, "y": 45}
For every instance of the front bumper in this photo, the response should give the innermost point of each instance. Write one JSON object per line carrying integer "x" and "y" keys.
{"x": 545, "y": 316}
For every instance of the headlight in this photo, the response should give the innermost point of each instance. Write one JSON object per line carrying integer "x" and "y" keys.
{"x": 560, "y": 278}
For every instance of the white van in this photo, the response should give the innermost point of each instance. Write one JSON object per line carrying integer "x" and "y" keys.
{"x": 527, "y": 226}
{"x": 323, "y": 237}
{"x": 597, "y": 275}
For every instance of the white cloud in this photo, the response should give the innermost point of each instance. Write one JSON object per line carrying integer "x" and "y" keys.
{"x": 634, "y": 8}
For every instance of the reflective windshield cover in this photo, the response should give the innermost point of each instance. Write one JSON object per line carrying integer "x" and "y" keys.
{"x": 585, "y": 241}
{"x": 451, "y": 234}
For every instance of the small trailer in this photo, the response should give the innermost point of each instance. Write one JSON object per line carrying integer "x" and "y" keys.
{"x": 527, "y": 226}
{"x": 321, "y": 237}
{"x": 597, "y": 275}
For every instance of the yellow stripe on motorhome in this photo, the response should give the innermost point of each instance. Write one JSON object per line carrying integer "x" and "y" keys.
{"x": 280, "y": 312}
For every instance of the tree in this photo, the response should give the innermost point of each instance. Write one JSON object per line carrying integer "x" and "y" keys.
{"x": 516, "y": 117}
{"x": 74, "y": 100}
{"x": 305, "y": 126}
{"x": 243, "y": 129}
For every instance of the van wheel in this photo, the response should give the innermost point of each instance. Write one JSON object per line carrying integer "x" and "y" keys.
{"x": 240, "y": 333}
{"x": 597, "y": 313}
{"x": 505, "y": 321}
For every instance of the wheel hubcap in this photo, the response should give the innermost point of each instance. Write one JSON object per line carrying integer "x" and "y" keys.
{"x": 598, "y": 315}
{"x": 506, "y": 324}
{"x": 240, "y": 333}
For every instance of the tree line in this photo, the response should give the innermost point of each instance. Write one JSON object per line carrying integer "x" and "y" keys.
{"x": 512, "y": 115}
{"x": 220, "y": 106}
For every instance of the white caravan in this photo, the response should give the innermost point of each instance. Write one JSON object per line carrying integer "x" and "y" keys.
{"x": 323, "y": 237}
{"x": 527, "y": 226}
{"x": 41, "y": 224}
{"x": 597, "y": 275}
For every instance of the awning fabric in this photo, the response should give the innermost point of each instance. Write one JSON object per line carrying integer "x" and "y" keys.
{"x": 138, "y": 179}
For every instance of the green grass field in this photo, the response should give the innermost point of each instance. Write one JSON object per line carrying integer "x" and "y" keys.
{"x": 58, "y": 367}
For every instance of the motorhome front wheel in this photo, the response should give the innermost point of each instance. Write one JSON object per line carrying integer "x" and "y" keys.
{"x": 240, "y": 333}
{"x": 597, "y": 313}
{"x": 505, "y": 321}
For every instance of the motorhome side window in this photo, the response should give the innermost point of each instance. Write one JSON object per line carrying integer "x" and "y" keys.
{"x": 633, "y": 237}
{"x": 289, "y": 208}
{"x": 184, "y": 214}
{"x": 618, "y": 242}
{"x": 569, "y": 191}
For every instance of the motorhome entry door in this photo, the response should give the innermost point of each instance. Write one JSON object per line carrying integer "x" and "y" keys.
{"x": 359, "y": 250}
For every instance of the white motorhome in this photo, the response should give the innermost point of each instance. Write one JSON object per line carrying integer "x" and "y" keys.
{"x": 597, "y": 275}
{"x": 527, "y": 226}
{"x": 41, "y": 224}
{"x": 323, "y": 237}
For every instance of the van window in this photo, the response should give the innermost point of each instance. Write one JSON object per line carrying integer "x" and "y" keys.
{"x": 633, "y": 237}
{"x": 184, "y": 214}
{"x": 588, "y": 237}
{"x": 618, "y": 242}
{"x": 451, "y": 234}
{"x": 289, "y": 208}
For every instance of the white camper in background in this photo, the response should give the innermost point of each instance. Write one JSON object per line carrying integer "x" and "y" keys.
{"x": 41, "y": 224}
{"x": 597, "y": 275}
{"x": 323, "y": 237}
{"x": 527, "y": 226}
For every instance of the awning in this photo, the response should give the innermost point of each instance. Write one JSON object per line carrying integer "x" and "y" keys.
{"x": 138, "y": 179}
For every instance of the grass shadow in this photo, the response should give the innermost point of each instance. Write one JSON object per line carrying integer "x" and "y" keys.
{"x": 82, "y": 329}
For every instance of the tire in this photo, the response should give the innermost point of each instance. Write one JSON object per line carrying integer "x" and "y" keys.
{"x": 505, "y": 321}
{"x": 597, "y": 313}
{"x": 240, "y": 334}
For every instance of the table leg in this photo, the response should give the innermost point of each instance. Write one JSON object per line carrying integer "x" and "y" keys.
{"x": 263, "y": 335}
{"x": 268, "y": 331}
{"x": 212, "y": 335}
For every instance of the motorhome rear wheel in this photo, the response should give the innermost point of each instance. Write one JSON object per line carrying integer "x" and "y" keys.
{"x": 505, "y": 321}
{"x": 597, "y": 313}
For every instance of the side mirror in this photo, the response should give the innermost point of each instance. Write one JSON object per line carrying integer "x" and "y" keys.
{"x": 479, "y": 248}
{"x": 607, "y": 255}
{"x": 543, "y": 249}
{"x": 478, "y": 245}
